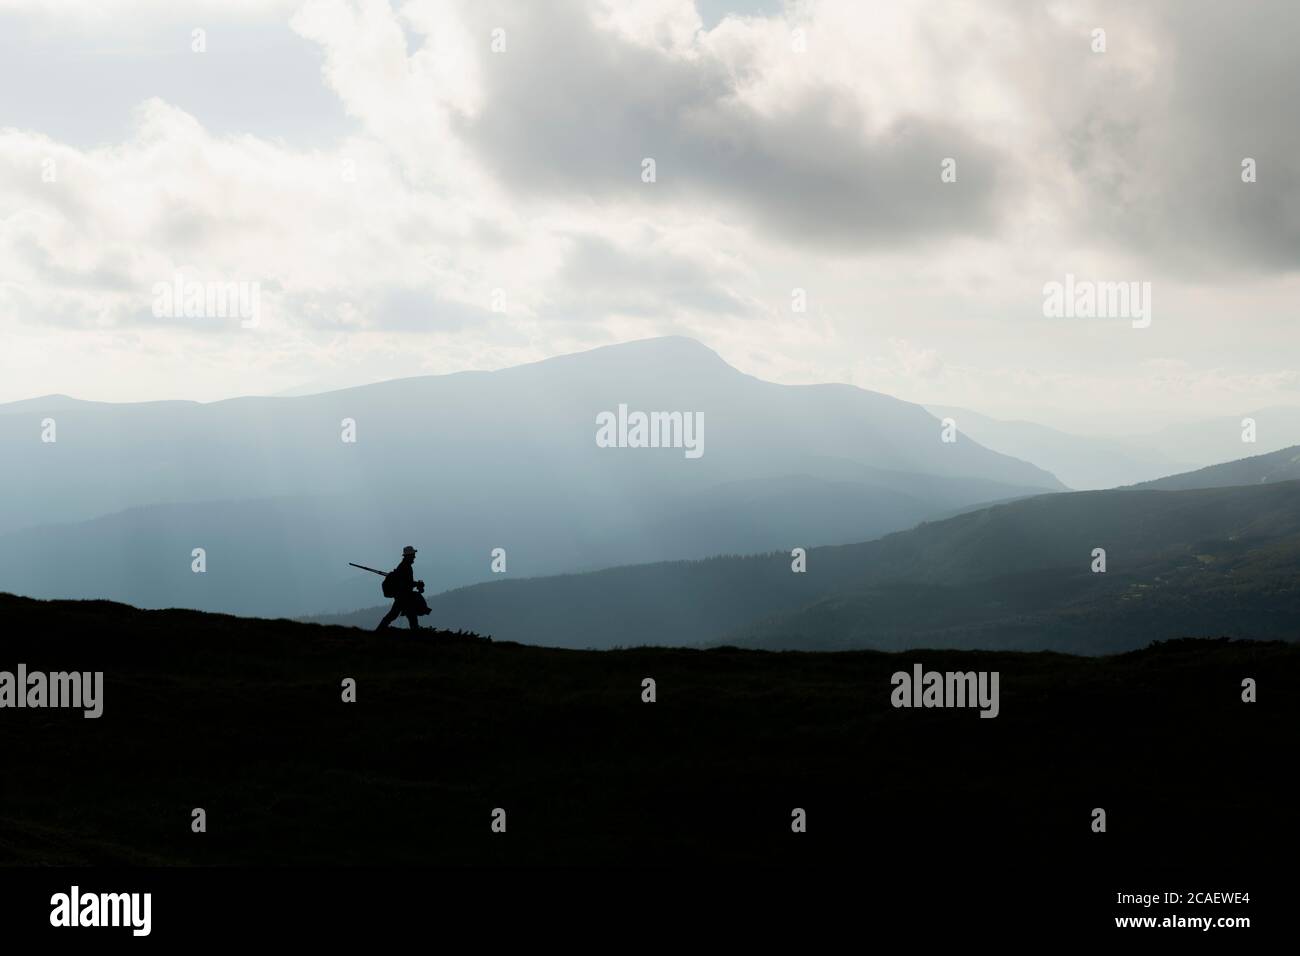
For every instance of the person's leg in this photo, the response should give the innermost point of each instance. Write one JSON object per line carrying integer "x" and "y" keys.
{"x": 391, "y": 616}
{"x": 406, "y": 608}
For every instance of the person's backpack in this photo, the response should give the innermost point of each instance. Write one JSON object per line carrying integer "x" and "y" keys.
{"x": 392, "y": 587}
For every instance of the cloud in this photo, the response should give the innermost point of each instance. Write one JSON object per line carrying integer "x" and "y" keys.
{"x": 1155, "y": 142}
{"x": 644, "y": 276}
{"x": 438, "y": 171}
{"x": 839, "y": 147}
{"x": 917, "y": 362}
{"x": 737, "y": 122}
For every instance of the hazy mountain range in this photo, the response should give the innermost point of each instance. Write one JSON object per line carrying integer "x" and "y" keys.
{"x": 1204, "y": 559}
{"x": 459, "y": 465}
{"x": 1082, "y": 462}
{"x": 1088, "y": 462}
{"x": 462, "y": 464}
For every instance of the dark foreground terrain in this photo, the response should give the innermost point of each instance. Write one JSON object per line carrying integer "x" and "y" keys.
{"x": 244, "y": 719}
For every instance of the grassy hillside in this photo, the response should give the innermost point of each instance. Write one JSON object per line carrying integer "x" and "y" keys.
{"x": 243, "y": 718}
{"x": 1283, "y": 465}
{"x": 1018, "y": 575}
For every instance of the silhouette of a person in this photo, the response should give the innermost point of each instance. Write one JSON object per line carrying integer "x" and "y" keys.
{"x": 407, "y": 602}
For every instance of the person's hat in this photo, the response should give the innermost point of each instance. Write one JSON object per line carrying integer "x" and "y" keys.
{"x": 407, "y": 550}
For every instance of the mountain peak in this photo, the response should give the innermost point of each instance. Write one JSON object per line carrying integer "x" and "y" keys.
{"x": 676, "y": 349}
{"x": 53, "y": 400}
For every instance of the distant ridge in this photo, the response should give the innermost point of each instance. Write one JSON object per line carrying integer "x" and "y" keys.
{"x": 1283, "y": 465}
{"x": 1017, "y": 575}
{"x": 281, "y": 499}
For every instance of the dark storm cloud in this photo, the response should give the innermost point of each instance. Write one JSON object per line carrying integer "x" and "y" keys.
{"x": 1159, "y": 161}
{"x": 1239, "y": 74}
{"x": 572, "y": 110}
{"x": 1148, "y": 136}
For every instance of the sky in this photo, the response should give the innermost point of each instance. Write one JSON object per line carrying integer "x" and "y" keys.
{"x": 432, "y": 186}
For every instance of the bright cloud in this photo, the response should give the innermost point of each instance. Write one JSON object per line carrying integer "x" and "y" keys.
{"x": 484, "y": 202}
